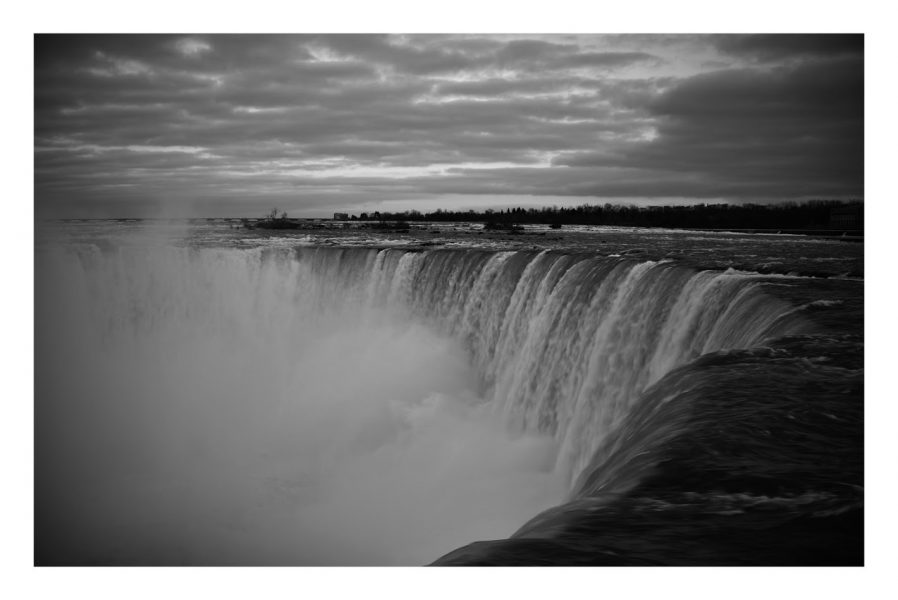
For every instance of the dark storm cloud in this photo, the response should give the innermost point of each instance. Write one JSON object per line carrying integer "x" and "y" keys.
{"x": 772, "y": 47}
{"x": 796, "y": 129}
{"x": 350, "y": 119}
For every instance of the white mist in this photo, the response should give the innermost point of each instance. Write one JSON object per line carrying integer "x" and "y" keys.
{"x": 229, "y": 407}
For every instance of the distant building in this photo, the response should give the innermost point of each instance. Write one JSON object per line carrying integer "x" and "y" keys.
{"x": 850, "y": 216}
{"x": 341, "y": 216}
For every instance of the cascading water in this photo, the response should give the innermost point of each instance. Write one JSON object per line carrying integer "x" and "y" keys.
{"x": 344, "y": 406}
{"x": 566, "y": 344}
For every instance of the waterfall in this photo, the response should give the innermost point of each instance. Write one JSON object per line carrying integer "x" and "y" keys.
{"x": 564, "y": 343}
{"x": 540, "y": 354}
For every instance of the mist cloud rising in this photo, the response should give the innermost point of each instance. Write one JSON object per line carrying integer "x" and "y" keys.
{"x": 220, "y": 407}
{"x": 233, "y": 124}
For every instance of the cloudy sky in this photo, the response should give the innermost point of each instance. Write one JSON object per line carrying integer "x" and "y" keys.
{"x": 233, "y": 125}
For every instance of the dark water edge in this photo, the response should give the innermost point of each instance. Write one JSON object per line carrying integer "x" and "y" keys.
{"x": 750, "y": 457}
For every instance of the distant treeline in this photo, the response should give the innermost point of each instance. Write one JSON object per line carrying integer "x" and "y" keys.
{"x": 816, "y": 214}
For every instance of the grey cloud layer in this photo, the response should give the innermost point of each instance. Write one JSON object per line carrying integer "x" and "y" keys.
{"x": 339, "y": 120}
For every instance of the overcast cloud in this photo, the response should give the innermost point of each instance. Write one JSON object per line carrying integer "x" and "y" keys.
{"x": 232, "y": 125}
